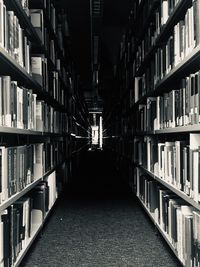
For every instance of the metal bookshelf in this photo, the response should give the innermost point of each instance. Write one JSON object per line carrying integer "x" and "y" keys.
{"x": 173, "y": 188}
{"x": 180, "y": 129}
{"x": 180, "y": 8}
{"x": 189, "y": 64}
{"x": 163, "y": 234}
{"x": 35, "y": 233}
{"x": 11, "y": 67}
{"x": 18, "y": 195}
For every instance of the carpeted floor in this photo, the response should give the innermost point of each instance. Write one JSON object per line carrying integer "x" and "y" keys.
{"x": 94, "y": 230}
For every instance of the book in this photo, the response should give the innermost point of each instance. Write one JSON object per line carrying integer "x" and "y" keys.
{"x": 5, "y": 220}
{"x": 37, "y": 20}
{"x": 40, "y": 197}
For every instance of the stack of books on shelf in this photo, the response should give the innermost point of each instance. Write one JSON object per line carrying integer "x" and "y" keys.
{"x": 22, "y": 165}
{"x": 178, "y": 107}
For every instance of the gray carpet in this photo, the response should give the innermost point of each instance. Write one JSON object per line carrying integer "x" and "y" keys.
{"x": 99, "y": 232}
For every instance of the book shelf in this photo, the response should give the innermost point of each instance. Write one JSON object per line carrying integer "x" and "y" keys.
{"x": 163, "y": 234}
{"x": 180, "y": 8}
{"x": 182, "y": 69}
{"x": 40, "y": 107}
{"x": 28, "y": 188}
{"x": 35, "y": 232}
{"x": 154, "y": 127}
{"x": 172, "y": 188}
{"x": 24, "y": 20}
{"x": 20, "y": 74}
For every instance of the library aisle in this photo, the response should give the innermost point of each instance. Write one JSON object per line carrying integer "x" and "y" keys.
{"x": 95, "y": 228}
{"x": 99, "y": 133}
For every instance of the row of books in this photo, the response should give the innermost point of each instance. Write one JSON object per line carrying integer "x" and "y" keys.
{"x": 178, "y": 220}
{"x": 184, "y": 38}
{"x": 179, "y": 107}
{"x": 49, "y": 120}
{"x": 49, "y": 80}
{"x": 162, "y": 14}
{"x": 40, "y": 21}
{"x": 54, "y": 18}
{"x": 176, "y": 162}
{"x": 53, "y": 154}
{"x": 14, "y": 41}
{"x": 20, "y": 108}
{"x": 13, "y": 38}
{"x": 21, "y": 165}
{"x": 19, "y": 221}
{"x": 42, "y": 28}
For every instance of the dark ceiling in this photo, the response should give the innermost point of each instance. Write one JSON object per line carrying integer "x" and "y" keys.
{"x": 115, "y": 19}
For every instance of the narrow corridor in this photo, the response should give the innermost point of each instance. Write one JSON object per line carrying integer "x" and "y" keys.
{"x": 91, "y": 229}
